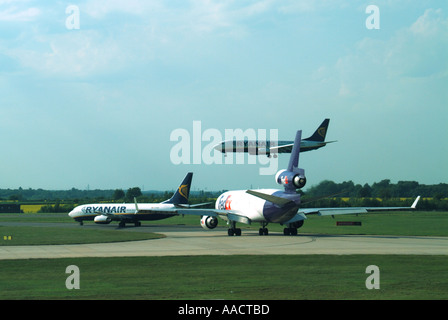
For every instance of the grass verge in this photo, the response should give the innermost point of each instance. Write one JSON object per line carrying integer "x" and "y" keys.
{"x": 23, "y": 235}
{"x": 228, "y": 277}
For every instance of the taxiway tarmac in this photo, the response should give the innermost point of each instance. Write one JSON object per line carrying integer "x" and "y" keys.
{"x": 192, "y": 241}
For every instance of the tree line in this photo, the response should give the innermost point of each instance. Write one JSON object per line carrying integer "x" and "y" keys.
{"x": 383, "y": 189}
{"x": 384, "y": 193}
{"x": 326, "y": 193}
{"x": 61, "y": 199}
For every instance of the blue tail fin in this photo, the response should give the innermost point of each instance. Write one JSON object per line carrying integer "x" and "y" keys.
{"x": 295, "y": 153}
{"x": 293, "y": 177}
{"x": 319, "y": 134}
{"x": 182, "y": 193}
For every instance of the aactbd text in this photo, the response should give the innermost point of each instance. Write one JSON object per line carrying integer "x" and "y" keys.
{"x": 252, "y": 309}
{"x": 209, "y": 147}
{"x": 234, "y": 309}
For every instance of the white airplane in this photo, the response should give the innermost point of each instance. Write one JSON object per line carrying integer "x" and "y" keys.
{"x": 256, "y": 147}
{"x": 272, "y": 205}
{"x": 105, "y": 213}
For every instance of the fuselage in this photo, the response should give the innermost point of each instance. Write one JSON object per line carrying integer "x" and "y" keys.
{"x": 128, "y": 210}
{"x": 257, "y": 209}
{"x": 264, "y": 147}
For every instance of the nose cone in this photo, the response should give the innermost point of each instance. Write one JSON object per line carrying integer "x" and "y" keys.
{"x": 219, "y": 147}
{"x": 73, "y": 213}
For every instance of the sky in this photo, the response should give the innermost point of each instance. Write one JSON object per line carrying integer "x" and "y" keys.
{"x": 91, "y": 91}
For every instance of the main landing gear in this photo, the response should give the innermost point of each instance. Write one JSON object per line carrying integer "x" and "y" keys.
{"x": 233, "y": 230}
{"x": 122, "y": 224}
{"x": 291, "y": 230}
{"x": 263, "y": 231}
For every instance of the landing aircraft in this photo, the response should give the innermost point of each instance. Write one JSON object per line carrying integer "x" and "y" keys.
{"x": 256, "y": 147}
{"x": 105, "y": 213}
{"x": 272, "y": 205}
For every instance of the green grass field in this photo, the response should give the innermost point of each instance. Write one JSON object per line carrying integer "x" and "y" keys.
{"x": 228, "y": 277}
{"x": 419, "y": 223}
{"x": 21, "y": 236}
{"x": 406, "y": 223}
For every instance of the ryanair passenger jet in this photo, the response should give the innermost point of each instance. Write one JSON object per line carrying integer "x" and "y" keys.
{"x": 105, "y": 213}
{"x": 259, "y": 147}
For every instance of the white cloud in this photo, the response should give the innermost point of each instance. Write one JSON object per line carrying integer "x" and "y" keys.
{"x": 75, "y": 54}
{"x": 16, "y": 14}
{"x": 206, "y": 15}
{"x": 99, "y": 9}
{"x": 108, "y": 41}
{"x": 191, "y": 17}
{"x": 430, "y": 23}
{"x": 421, "y": 49}
{"x": 308, "y": 6}
{"x": 375, "y": 64}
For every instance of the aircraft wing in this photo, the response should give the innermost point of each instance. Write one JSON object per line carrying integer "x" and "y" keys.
{"x": 285, "y": 148}
{"x": 352, "y": 210}
{"x": 192, "y": 205}
{"x": 230, "y": 214}
{"x": 301, "y": 213}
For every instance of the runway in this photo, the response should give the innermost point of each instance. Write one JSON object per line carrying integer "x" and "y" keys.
{"x": 190, "y": 241}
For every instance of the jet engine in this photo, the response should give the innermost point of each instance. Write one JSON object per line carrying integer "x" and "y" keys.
{"x": 290, "y": 179}
{"x": 102, "y": 220}
{"x": 208, "y": 222}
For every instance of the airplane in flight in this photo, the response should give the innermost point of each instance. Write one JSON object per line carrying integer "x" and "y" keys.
{"x": 256, "y": 147}
{"x": 266, "y": 206}
{"x": 105, "y": 213}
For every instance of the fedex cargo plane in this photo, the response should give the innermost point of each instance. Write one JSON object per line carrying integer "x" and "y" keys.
{"x": 256, "y": 147}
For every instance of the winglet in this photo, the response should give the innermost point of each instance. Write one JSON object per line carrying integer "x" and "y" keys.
{"x": 414, "y": 205}
{"x": 136, "y": 206}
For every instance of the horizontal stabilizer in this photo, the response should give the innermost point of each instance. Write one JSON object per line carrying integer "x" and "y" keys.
{"x": 268, "y": 197}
